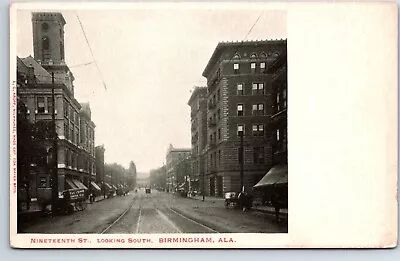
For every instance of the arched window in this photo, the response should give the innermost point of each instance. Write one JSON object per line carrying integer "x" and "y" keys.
{"x": 263, "y": 55}
{"x": 253, "y": 56}
{"x": 62, "y": 50}
{"x": 45, "y": 43}
{"x": 45, "y": 27}
{"x": 236, "y": 56}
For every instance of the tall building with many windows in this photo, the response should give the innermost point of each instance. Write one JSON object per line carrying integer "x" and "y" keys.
{"x": 36, "y": 77}
{"x": 241, "y": 101}
{"x": 198, "y": 115}
{"x": 173, "y": 158}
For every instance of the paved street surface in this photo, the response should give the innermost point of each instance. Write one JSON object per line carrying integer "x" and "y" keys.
{"x": 158, "y": 212}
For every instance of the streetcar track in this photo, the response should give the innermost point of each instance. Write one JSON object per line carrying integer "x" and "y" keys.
{"x": 139, "y": 199}
{"x": 119, "y": 217}
{"x": 138, "y": 220}
{"x": 192, "y": 220}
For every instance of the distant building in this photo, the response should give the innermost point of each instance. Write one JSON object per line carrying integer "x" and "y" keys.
{"x": 74, "y": 127}
{"x": 241, "y": 101}
{"x": 174, "y": 156}
{"x": 99, "y": 151}
{"x": 198, "y": 115}
{"x": 158, "y": 178}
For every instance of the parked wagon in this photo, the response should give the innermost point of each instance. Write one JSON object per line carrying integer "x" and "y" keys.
{"x": 72, "y": 200}
{"x": 240, "y": 200}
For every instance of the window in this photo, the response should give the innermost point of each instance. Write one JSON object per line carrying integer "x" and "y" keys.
{"x": 71, "y": 113}
{"x": 258, "y": 88}
{"x": 45, "y": 27}
{"x": 258, "y": 130}
{"x": 240, "y": 110}
{"x": 281, "y": 100}
{"x": 66, "y": 130}
{"x": 211, "y": 138}
{"x": 258, "y": 109}
{"x": 62, "y": 50}
{"x": 219, "y": 134}
{"x": 42, "y": 182}
{"x": 277, "y": 135}
{"x": 40, "y": 105}
{"x": 49, "y": 105}
{"x": 45, "y": 43}
{"x": 240, "y": 130}
{"x": 262, "y": 65}
{"x": 65, "y": 108}
{"x": 258, "y": 155}
{"x": 218, "y": 95}
{"x": 236, "y": 68}
{"x": 253, "y": 66}
{"x": 240, "y": 89}
{"x": 219, "y": 156}
{"x": 219, "y": 114}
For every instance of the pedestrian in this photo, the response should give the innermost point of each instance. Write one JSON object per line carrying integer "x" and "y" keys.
{"x": 275, "y": 200}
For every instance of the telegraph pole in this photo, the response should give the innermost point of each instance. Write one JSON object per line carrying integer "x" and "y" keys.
{"x": 54, "y": 178}
{"x": 204, "y": 183}
{"x": 241, "y": 154}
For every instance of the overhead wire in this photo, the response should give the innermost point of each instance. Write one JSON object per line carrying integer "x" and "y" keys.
{"x": 91, "y": 51}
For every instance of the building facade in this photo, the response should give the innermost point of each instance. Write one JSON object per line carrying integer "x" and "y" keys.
{"x": 198, "y": 115}
{"x": 37, "y": 76}
{"x": 241, "y": 101}
{"x": 99, "y": 159}
{"x": 174, "y": 156}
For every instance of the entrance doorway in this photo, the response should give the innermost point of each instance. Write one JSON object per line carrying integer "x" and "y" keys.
{"x": 212, "y": 186}
{"x": 219, "y": 187}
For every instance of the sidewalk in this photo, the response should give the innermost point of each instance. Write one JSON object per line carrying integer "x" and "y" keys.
{"x": 261, "y": 208}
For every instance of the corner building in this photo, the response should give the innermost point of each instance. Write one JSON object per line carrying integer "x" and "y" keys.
{"x": 198, "y": 115}
{"x": 240, "y": 101}
{"x": 74, "y": 127}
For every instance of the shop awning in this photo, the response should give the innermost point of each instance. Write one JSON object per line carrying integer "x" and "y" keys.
{"x": 95, "y": 186}
{"x": 71, "y": 184}
{"x": 79, "y": 184}
{"x": 107, "y": 186}
{"x": 277, "y": 175}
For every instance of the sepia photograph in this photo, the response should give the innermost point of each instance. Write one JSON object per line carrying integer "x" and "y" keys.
{"x": 152, "y": 121}
{"x": 175, "y": 125}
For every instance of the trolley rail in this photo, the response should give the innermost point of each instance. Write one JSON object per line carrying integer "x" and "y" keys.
{"x": 159, "y": 212}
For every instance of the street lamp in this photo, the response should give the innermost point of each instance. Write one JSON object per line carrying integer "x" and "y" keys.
{"x": 241, "y": 159}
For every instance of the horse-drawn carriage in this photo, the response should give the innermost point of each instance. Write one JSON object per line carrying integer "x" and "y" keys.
{"x": 238, "y": 200}
{"x": 69, "y": 200}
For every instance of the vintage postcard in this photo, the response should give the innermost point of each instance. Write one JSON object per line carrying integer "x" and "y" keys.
{"x": 203, "y": 125}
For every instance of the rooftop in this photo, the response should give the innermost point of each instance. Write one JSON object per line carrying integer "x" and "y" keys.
{"x": 222, "y": 45}
{"x": 196, "y": 92}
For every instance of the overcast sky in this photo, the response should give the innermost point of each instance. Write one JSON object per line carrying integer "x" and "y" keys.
{"x": 150, "y": 60}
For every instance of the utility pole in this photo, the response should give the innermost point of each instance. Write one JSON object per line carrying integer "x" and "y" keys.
{"x": 204, "y": 182}
{"x": 54, "y": 178}
{"x": 241, "y": 155}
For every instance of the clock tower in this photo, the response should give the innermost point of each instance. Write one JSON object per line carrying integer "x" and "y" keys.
{"x": 48, "y": 45}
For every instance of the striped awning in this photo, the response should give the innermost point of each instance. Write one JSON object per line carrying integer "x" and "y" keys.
{"x": 79, "y": 184}
{"x": 277, "y": 175}
{"x": 95, "y": 186}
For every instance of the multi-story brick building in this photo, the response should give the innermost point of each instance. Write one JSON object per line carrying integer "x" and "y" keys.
{"x": 198, "y": 106}
{"x": 240, "y": 102}
{"x": 99, "y": 156}
{"x": 174, "y": 156}
{"x": 74, "y": 127}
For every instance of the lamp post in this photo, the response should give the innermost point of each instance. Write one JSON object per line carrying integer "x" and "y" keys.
{"x": 241, "y": 158}
{"x": 54, "y": 178}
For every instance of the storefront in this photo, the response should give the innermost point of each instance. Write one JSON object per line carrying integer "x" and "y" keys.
{"x": 274, "y": 185}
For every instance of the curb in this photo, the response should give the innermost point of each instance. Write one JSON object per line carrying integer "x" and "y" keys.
{"x": 283, "y": 215}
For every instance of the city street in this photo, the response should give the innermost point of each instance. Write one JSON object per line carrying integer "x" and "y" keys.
{"x": 158, "y": 212}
